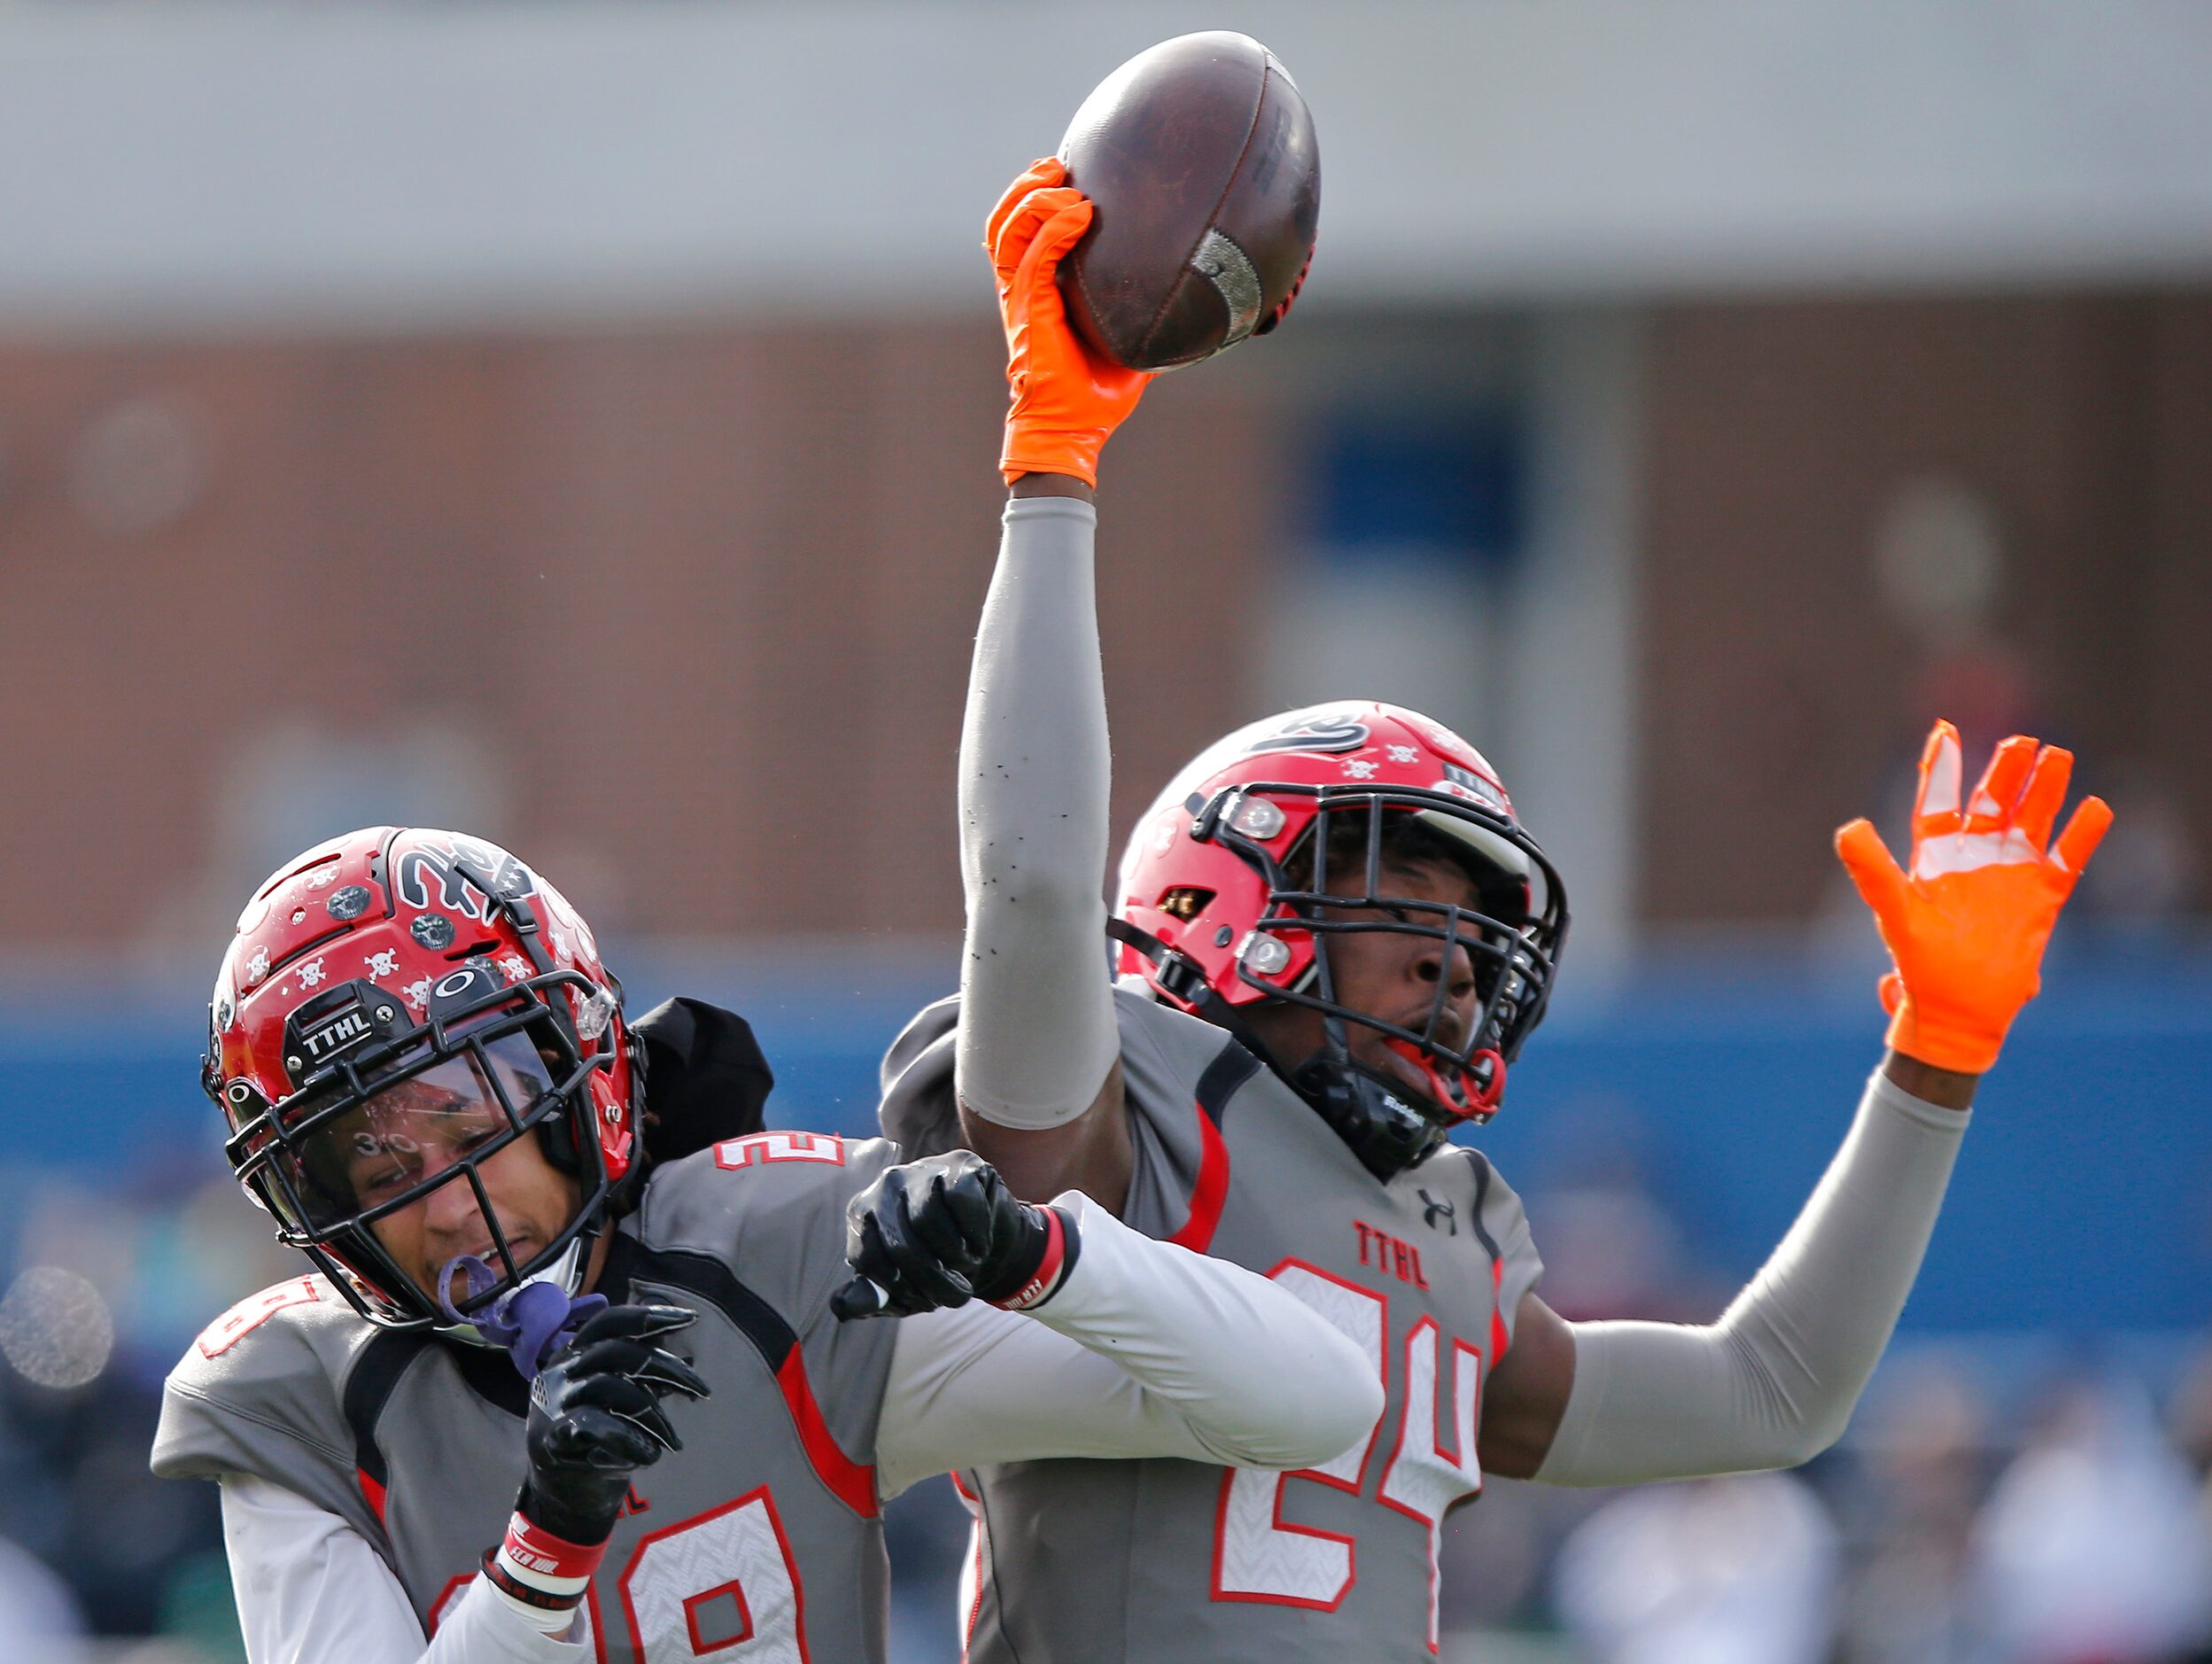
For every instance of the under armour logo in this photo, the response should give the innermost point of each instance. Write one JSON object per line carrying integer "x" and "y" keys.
{"x": 1433, "y": 1209}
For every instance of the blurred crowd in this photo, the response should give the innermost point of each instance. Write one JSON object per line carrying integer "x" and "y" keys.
{"x": 1993, "y": 1503}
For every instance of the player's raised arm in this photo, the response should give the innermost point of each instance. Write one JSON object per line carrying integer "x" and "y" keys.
{"x": 1774, "y": 1382}
{"x": 1037, "y": 1058}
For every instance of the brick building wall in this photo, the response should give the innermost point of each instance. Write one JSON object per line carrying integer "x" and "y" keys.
{"x": 1782, "y": 692}
{"x": 702, "y": 599}
{"x": 693, "y": 607}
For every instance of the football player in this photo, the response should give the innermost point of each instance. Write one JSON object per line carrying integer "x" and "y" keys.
{"x": 1336, "y": 935}
{"x": 542, "y": 1396}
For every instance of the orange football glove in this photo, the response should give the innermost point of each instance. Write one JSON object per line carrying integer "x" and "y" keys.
{"x": 1968, "y": 925}
{"x": 1065, "y": 400}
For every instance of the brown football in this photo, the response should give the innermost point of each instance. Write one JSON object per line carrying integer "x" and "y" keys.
{"x": 1201, "y": 157}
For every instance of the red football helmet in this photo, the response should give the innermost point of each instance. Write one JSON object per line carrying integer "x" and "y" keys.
{"x": 389, "y": 978}
{"x": 1227, "y": 875}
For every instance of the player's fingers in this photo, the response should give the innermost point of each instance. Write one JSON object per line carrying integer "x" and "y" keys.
{"x": 653, "y": 1421}
{"x": 2043, "y": 795}
{"x": 1040, "y": 175}
{"x": 625, "y": 1400}
{"x": 965, "y": 1195}
{"x": 599, "y": 1439}
{"x": 1017, "y": 241}
{"x": 1040, "y": 261}
{"x": 882, "y": 1258}
{"x": 921, "y": 1268}
{"x": 1991, "y": 805}
{"x": 936, "y": 1224}
{"x": 2091, "y": 819}
{"x": 662, "y": 1371}
{"x": 632, "y": 1323}
{"x": 858, "y": 1298}
{"x": 1873, "y": 870}
{"x": 1936, "y": 805}
{"x": 865, "y": 1252}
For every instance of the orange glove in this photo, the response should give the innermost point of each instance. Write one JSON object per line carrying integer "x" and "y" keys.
{"x": 1966, "y": 928}
{"x": 1067, "y": 399}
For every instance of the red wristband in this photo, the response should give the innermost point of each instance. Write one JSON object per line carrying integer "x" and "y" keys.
{"x": 1045, "y": 1280}
{"x": 532, "y": 1550}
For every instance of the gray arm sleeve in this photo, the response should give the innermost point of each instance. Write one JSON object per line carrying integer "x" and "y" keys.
{"x": 1037, "y": 1033}
{"x": 1774, "y": 1382}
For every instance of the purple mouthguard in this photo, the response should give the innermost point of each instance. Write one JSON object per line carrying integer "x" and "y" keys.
{"x": 531, "y": 1323}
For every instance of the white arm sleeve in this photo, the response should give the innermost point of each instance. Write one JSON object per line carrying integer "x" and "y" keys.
{"x": 1774, "y": 1382}
{"x": 311, "y": 1591}
{"x": 1037, "y": 1034}
{"x": 1146, "y": 1350}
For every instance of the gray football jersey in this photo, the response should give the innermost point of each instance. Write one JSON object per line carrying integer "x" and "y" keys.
{"x": 1141, "y": 1561}
{"x": 759, "y": 1541}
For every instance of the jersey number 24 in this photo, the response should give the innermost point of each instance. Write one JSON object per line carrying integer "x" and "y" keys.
{"x": 1258, "y": 1557}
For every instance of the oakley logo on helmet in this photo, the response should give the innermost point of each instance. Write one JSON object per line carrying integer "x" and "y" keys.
{"x": 1317, "y": 734}
{"x": 459, "y": 872}
{"x": 473, "y": 980}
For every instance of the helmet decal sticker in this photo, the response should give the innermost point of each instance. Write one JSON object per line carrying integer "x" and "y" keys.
{"x": 433, "y": 931}
{"x": 1404, "y": 753}
{"x": 384, "y": 964}
{"x": 350, "y": 1027}
{"x": 349, "y": 902}
{"x": 322, "y": 878}
{"x": 257, "y": 967}
{"x": 1360, "y": 768}
{"x": 417, "y": 993}
{"x": 1313, "y": 734}
{"x": 312, "y": 973}
{"x": 457, "y": 892}
{"x": 1466, "y": 782}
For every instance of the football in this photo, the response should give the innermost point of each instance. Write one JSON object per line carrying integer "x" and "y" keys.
{"x": 1199, "y": 155}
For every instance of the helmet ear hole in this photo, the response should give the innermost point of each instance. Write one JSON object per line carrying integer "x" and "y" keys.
{"x": 1184, "y": 901}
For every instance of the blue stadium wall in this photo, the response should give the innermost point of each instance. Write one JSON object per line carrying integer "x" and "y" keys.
{"x": 2083, "y": 1205}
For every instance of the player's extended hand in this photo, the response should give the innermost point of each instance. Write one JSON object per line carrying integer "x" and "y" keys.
{"x": 1967, "y": 925}
{"x": 940, "y": 1231}
{"x": 595, "y": 1418}
{"x": 1066, "y": 400}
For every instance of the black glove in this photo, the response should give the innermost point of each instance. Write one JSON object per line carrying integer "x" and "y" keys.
{"x": 595, "y": 1418}
{"x": 941, "y": 1230}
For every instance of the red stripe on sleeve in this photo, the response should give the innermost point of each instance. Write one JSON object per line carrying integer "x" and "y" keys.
{"x": 1498, "y": 1337}
{"x": 1209, "y": 1192}
{"x": 372, "y": 1493}
{"x": 851, "y": 1482}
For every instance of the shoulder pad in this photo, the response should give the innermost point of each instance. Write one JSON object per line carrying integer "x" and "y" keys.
{"x": 918, "y": 1110}
{"x": 770, "y": 1206}
{"x": 267, "y": 1369}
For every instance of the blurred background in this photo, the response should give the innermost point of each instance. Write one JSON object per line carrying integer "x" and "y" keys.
{"x": 576, "y": 423}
